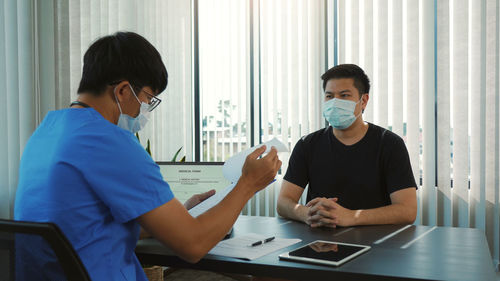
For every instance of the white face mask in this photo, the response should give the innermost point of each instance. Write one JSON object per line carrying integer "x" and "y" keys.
{"x": 340, "y": 113}
{"x": 130, "y": 123}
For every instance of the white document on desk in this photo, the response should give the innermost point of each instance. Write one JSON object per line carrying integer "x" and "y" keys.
{"x": 232, "y": 172}
{"x": 238, "y": 247}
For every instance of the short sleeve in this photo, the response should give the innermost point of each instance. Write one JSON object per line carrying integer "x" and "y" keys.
{"x": 124, "y": 176}
{"x": 297, "y": 172}
{"x": 397, "y": 166}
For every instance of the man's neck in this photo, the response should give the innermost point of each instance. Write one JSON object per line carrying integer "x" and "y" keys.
{"x": 353, "y": 134}
{"x": 102, "y": 104}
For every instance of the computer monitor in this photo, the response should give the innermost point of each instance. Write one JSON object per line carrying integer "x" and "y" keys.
{"x": 189, "y": 178}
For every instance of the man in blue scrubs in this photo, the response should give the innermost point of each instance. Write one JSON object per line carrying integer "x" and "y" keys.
{"x": 84, "y": 170}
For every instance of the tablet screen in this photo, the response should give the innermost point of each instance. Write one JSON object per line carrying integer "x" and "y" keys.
{"x": 327, "y": 251}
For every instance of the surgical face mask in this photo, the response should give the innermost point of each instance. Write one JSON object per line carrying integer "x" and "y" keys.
{"x": 340, "y": 113}
{"x": 130, "y": 123}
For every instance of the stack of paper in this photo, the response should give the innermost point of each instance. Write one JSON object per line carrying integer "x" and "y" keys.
{"x": 238, "y": 247}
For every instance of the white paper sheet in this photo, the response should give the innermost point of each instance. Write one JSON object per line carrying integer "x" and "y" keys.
{"x": 211, "y": 201}
{"x": 232, "y": 167}
{"x": 232, "y": 172}
{"x": 238, "y": 247}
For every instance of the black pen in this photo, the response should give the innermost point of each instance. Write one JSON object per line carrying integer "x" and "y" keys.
{"x": 260, "y": 242}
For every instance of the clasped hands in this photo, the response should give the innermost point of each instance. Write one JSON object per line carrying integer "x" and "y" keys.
{"x": 328, "y": 212}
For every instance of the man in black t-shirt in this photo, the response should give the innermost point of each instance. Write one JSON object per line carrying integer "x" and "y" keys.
{"x": 358, "y": 173}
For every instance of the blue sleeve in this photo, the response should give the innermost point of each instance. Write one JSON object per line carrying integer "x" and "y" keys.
{"x": 124, "y": 176}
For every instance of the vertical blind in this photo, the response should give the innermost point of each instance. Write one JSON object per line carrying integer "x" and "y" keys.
{"x": 41, "y": 50}
{"x": 435, "y": 76}
{"x": 291, "y": 61}
{"x": 280, "y": 47}
{"x": 167, "y": 25}
{"x": 224, "y": 72}
{"x": 18, "y": 92}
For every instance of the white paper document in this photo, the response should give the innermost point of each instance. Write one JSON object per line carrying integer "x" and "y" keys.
{"x": 238, "y": 247}
{"x": 233, "y": 165}
{"x": 232, "y": 172}
{"x": 187, "y": 179}
{"x": 211, "y": 201}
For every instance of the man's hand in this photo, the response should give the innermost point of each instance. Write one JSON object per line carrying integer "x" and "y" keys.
{"x": 198, "y": 198}
{"x": 318, "y": 213}
{"x": 191, "y": 238}
{"x": 260, "y": 172}
{"x": 327, "y": 212}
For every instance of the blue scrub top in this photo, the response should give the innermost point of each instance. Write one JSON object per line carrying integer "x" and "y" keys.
{"x": 92, "y": 179}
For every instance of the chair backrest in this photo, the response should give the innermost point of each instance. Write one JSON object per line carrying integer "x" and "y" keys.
{"x": 48, "y": 234}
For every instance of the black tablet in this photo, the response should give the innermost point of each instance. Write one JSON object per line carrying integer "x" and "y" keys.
{"x": 326, "y": 252}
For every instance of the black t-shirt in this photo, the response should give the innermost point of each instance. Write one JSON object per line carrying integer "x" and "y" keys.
{"x": 362, "y": 175}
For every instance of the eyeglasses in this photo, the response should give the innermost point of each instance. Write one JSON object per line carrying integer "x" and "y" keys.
{"x": 153, "y": 100}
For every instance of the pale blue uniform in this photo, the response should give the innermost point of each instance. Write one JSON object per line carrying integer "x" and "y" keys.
{"x": 92, "y": 179}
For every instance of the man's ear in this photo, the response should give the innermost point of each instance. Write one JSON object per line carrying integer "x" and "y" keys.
{"x": 122, "y": 91}
{"x": 365, "y": 98}
{"x": 364, "y": 102}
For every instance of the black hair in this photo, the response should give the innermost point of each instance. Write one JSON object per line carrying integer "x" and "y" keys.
{"x": 122, "y": 56}
{"x": 361, "y": 81}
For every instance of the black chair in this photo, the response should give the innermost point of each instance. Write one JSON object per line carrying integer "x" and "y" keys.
{"x": 14, "y": 234}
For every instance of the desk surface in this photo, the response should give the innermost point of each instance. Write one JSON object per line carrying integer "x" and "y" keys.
{"x": 398, "y": 252}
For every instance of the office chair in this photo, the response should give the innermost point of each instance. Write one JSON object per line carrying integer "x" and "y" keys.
{"x": 20, "y": 239}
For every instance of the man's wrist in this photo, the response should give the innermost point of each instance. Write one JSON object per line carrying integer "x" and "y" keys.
{"x": 355, "y": 214}
{"x": 246, "y": 187}
{"x": 301, "y": 212}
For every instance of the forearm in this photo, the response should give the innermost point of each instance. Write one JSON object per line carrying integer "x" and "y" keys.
{"x": 214, "y": 224}
{"x": 191, "y": 238}
{"x": 287, "y": 208}
{"x": 391, "y": 214}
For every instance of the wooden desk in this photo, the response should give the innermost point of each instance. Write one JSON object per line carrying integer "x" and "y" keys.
{"x": 398, "y": 252}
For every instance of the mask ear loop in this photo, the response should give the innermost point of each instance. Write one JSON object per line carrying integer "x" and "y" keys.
{"x": 117, "y": 102}
{"x": 362, "y": 110}
{"x": 133, "y": 92}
